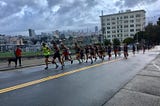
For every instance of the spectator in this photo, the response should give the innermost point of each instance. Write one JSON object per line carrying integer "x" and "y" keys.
{"x": 18, "y": 54}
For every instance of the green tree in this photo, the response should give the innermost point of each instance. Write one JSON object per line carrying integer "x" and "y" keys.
{"x": 158, "y": 22}
{"x": 152, "y": 32}
{"x": 128, "y": 40}
{"x": 107, "y": 42}
{"x": 116, "y": 42}
{"x": 139, "y": 36}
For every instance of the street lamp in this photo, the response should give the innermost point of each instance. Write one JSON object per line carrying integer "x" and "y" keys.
{"x": 102, "y": 29}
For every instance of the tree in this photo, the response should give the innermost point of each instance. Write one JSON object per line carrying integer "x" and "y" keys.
{"x": 150, "y": 35}
{"x": 128, "y": 40}
{"x": 152, "y": 32}
{"x": 158, "y": 22}
{"x": 107, "y": 42}
{"x": 139, "y": 36}
{"x": 116, "y": 42}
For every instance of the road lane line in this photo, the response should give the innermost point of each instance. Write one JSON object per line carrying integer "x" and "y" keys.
{"x": 154, "y": 64}
{"x": 19, "y": 86}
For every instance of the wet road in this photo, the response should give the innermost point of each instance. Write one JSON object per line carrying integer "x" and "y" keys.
{"x": 78, "y": 85}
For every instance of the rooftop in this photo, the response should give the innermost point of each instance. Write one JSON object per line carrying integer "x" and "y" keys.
{"x": 123, "y": 12}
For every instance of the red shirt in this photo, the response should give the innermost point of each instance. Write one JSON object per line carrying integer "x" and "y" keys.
{"x": 18, "y": 52}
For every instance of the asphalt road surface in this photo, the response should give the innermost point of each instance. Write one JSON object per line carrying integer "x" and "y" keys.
{"x": 77, "y": 85}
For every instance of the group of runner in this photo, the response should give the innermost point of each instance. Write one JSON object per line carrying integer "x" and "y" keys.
{"x": 82, "y": 54}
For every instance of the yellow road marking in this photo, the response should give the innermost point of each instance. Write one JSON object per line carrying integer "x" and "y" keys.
{"x": 51, "y": 77}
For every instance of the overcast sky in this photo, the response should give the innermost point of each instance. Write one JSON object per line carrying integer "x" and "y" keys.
{"x": 17, "y": 16}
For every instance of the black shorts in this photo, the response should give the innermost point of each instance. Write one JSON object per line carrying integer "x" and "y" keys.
{"x": 56, "y": 55}
{"x": 87, "y": 52}
{"x": 46, "y": 56}
{"x": 92, "y": 53}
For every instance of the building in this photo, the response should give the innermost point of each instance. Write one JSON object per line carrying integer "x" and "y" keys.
{"x": 31, "y": 33}
{"x": 123, "y": 24}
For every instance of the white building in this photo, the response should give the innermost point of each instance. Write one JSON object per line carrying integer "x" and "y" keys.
{"x": 122, "y": 24}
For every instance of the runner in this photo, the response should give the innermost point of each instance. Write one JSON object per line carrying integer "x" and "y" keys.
{"x": 57, "y": 55}
{"x": 87, "y": 52}
{"x": 143, "y": 47}
{"x": 109, "y": 49}
{"x": 101, "y": 52}
{"x": 96, "y": 52}
{"x": 133, "y": 49}
{"x": 115, "y": 51}
{"x": 77, "y": 50}
{"x": 46, "y": 53}
{"x": 65, "y": 54}
{"x": 125, "y": 51}
{"x": 92, "y": 53}
{"x": 119, "y": 50}
{"x": 82, "y": 57}
{"x": 137, "y": 48}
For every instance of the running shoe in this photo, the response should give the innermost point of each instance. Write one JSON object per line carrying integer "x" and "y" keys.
{"x": 46, "y": 68}
{"x": 57, "y": 66}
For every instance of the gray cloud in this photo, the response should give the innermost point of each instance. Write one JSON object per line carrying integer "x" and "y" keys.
{"x": 132, "y": 3}
{"x": 35, "y": 16}
{"x": 20, "y": 15}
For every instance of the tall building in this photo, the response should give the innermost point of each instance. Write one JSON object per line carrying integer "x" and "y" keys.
{"x": 96, "y": 29}
{"x": 31, "y": 33}
{"x": 123, "y": 24}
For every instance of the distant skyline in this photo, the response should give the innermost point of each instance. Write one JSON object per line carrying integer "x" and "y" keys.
{"x": 17, "y": 16}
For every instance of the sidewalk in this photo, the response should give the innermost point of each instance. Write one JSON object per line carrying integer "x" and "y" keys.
{"x": 142, "y": 90}
{"x": 25, "y": 63}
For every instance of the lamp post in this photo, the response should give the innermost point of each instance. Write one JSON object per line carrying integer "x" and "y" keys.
{"x": 102, "y": 29}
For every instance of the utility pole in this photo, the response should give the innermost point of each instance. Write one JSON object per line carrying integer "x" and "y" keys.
{"x": 102, "y": 36}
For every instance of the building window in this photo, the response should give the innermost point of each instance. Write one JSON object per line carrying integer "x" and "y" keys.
{"x": 131, "y": 30}
{"x": 138, "y": 20}
{"x": 138, "y": 25}
{"x": 113, "y": 36}
{"x": 113, "y": 23}
{"x": 108, "y": 19}
{"x": 113, "y": 27}
{"x": 132, "y": 35}
{"x": 132, "y": 21}
{"x": 117, "y": 18}
{"x": 138, "y": 30}
{"x": 114, "y": 31}
{"x": 126, "y": 21}
{"x": 108, "y": 23}
{"x": 108, "y": 31}
{"x": 125, "y": 17}
{"x": 108, "y": 27}
{"x": 132, "y": 16}
{"x": 132, "y": 25}
{"x": 109, "y": 36}
{"x": 125, "y": 35}
{"x": 138, "y": 15}
{"x": 125, "y": 26}
{"x": 103, "y": 24}
{"x": 113, "y": 18}
{"x": 126, "y": 30}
